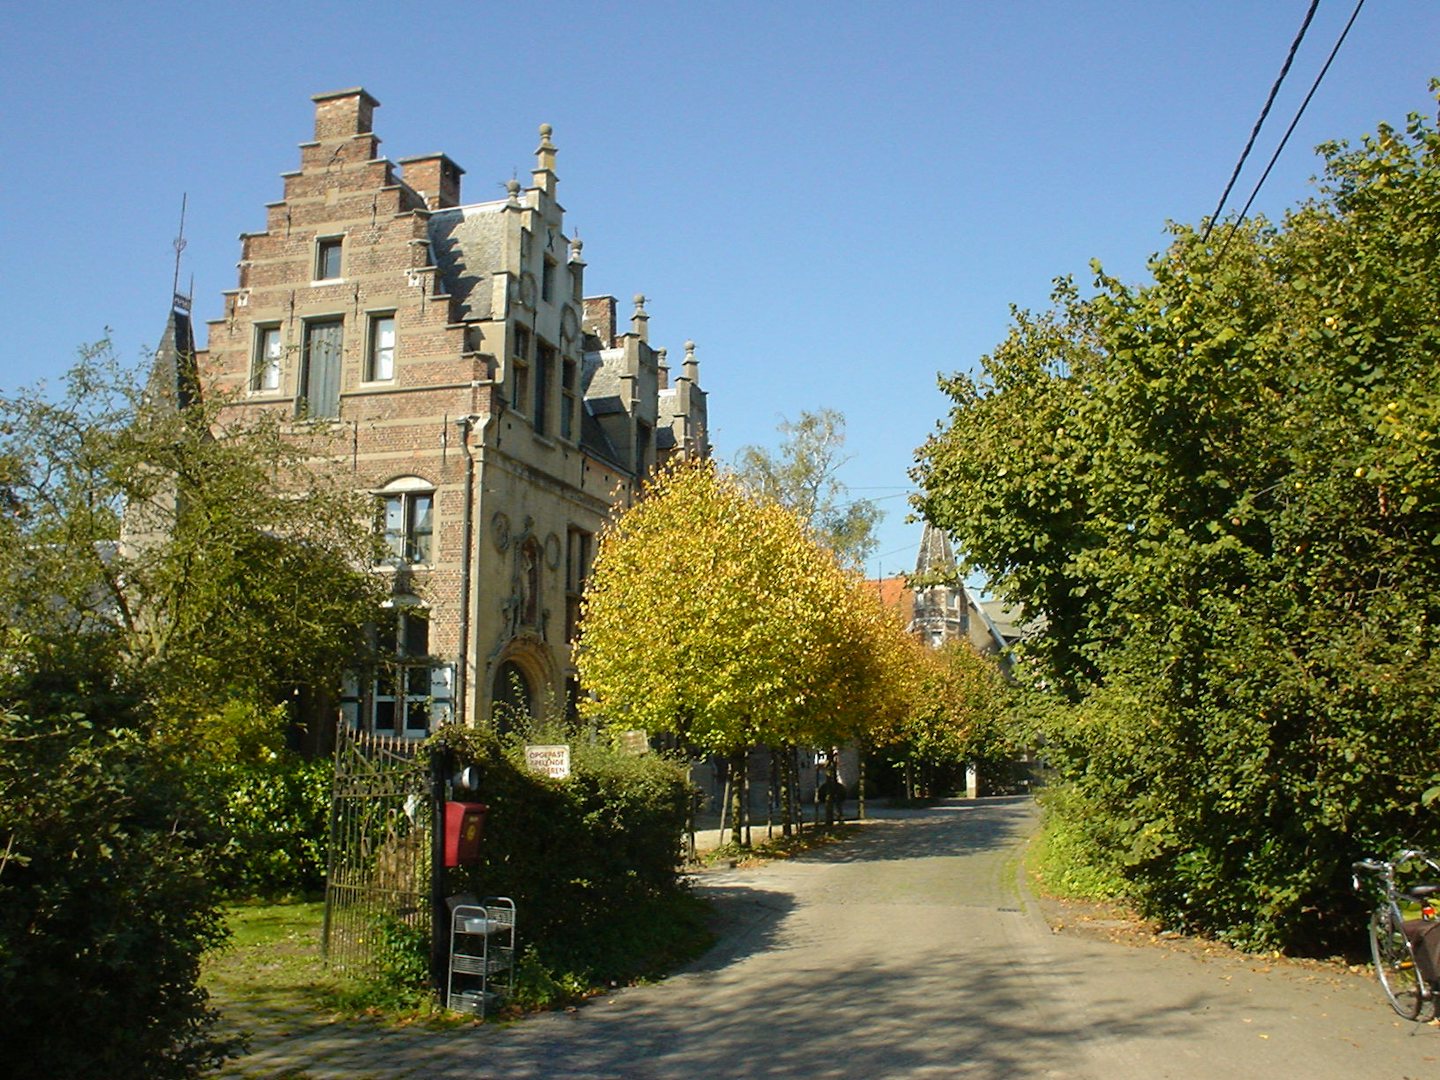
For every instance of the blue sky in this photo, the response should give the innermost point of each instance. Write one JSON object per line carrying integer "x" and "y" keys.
{"x": 836, "y": 200}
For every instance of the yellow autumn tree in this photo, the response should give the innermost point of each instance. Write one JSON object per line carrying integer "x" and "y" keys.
{"x": 712, "y": 615}
{"x": 955, "y": 709}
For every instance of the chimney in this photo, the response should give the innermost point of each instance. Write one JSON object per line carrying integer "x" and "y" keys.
{"x": 600, "y": 316}
{"x": 435, "y": 177}
{"x": 342, "y": 114}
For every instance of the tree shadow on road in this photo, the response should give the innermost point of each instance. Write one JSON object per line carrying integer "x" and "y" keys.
{"x": 953, "y": 828}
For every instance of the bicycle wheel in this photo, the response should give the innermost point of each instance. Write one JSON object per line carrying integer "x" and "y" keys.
{"x": 1395, "y": 964}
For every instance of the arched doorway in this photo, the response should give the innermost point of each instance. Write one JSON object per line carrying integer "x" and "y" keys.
{"x": 513, "y": 695}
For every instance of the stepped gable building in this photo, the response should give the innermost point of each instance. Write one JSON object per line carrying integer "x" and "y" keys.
{"x": 495, "y": 411}
{"x": 940, "y": 608}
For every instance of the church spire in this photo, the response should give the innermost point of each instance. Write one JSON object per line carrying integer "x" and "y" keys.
{"x": 173, "y": 382}
{"x": 935, "y": 556}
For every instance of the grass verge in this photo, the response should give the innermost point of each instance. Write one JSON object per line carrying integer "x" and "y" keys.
{"x": 270, "y": 977}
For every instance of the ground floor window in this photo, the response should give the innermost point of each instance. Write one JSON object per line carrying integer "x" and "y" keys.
{"x": 406, "y": 692}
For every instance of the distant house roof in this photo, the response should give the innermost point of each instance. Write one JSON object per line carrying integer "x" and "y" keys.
{"x": 895, "y": 593}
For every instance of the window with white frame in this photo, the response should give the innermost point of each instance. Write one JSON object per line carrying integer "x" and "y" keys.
{"x": 403, "y": 689}
{"x": 265, "y": 367}
{"x": 380, "y": 359}
{"x": 407, "y": 522}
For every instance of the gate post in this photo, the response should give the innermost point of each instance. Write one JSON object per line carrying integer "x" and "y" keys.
{"x": 439, "y": 911}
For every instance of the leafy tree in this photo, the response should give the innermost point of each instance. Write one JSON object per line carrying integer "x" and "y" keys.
{"x": 711, "y": 615}
{"x": 804, "y": 476}
{"x": 955, "y": 709}
{"x": 239, "y": 570}
{"x": 1220, "y": 490}
{"x": 105, "y": 902}
{"x": 238, "y": 575}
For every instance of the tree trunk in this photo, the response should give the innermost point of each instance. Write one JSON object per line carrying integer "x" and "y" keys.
{"x": 725, "y": 798}
{"x": 832, "y": 783}
{"x": 860, "y": 785}
{"x": 736, "y": 789}
{"x": 745, "y": 793}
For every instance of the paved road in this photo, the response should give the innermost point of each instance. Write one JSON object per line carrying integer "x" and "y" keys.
{"x": 912, "y": 952}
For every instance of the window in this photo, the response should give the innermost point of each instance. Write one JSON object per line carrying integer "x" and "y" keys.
{"x": 642, "y": 446}
{"x": 579, "y": 546}
{"x": 544, "y": 367}
{"x": 408, "y": 521}
{"x": 520, "y": 370}
{"x": 547, "y": 280}
{"x": 380, "y": 363}
{"x": 320, "y": 375}
{"x": 567, "y": 399}
{"x": 327, "y": 258}
{"x": 265, "y": 369}
{"x": 401, "y": 697}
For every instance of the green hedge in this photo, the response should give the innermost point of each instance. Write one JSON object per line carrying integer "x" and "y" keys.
{"x": 270, "y": 826}
{"x": 589, "y": 860}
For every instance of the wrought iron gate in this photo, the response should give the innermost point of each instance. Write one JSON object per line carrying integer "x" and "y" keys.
{"x": 377, "y": 890}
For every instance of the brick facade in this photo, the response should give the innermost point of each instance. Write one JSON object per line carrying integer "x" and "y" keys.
{"x": 495, "y": 411}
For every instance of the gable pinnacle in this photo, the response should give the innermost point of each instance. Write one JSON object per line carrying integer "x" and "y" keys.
{"x": 545, "y": 152}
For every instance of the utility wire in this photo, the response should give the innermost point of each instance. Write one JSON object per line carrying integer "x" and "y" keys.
{"x": 1289, "y": 59}
{"x": 1290, "y": 130}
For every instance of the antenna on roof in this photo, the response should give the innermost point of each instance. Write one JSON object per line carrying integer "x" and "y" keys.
{"x": 180, "y": 303}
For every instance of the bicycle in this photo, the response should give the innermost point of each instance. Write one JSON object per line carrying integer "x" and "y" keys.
{"x": 1404, "y": 934}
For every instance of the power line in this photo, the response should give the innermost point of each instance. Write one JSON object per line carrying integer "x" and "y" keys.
{"x": 1269, "y": 101}
{"x": 1290, "y": 130}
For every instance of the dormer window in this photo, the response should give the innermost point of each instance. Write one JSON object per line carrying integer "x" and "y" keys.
{"x": 327, "y": 258}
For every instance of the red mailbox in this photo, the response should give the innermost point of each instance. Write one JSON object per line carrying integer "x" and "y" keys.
{"x": 464, "y": 826}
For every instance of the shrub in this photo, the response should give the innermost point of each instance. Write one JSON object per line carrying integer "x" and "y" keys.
{"x": 592, "y": 861}
{"x": 105, "y": 907}
{"x": 267, "y": 809}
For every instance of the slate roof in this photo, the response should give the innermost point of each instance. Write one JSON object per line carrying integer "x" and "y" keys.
{"x": 594, "y": 439}
{"x": 173, "y": 377}
{"x": 935, "y": 552}
{"x": 467, "y": 243}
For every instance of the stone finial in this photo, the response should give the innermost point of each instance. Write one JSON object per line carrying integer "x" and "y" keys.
{"x": 543, "y": 175}
{"x": 640, "y": 318}
{"x": 576, "y": 246}
{"x": 512, "y": 187}
{"x": 545, "y": 152}
{"x": 691, "y": 368}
